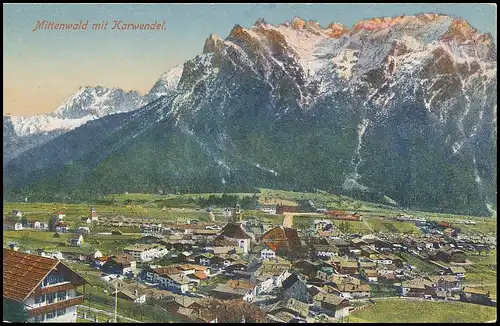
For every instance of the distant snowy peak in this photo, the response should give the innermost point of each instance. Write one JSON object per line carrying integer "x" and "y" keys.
{"x": 167, "y": 84}
{"x": 97, "y": 101}
{"x": 87, "y": 103}
{"x": 43, "y": 123}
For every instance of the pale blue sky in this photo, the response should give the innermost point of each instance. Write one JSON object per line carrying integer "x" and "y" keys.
{"x": 41, "y": 68}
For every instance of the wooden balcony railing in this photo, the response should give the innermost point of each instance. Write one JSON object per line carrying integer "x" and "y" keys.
{"x": 56, "y": 306}
{"x": 55, "y": 288}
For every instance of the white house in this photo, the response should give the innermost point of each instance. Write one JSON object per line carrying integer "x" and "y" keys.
{"x": 52, "y": 254}
{"x": 62, "y": 227}
{"x": 41, "y": 225}
{"x": 173, "y": 282}
{"x": 76, "y": 240}
{"x": 267, "y": 254}
{"x": 272, "y": 282}
{"x": 50, "y": 294}
{"x": 320, "y": 225}
{"x": 269, "y": 210}
{"x": 12, "y": 226}
{"x": 87, "y": 220}
{"x": 60, "y": 216}
{"x": 325, "y": 251}
{"x": 93, "y": 215}
{"x": 383, "y": 261}
{"x": 145, "y": 252}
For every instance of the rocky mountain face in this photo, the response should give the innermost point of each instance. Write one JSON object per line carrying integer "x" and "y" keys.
{"x": 399, "y": 108}
{"x": 88, "y": 103}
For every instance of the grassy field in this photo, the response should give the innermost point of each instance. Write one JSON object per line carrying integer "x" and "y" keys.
{"x": 107, "y": 244}
{"x": 390, "y": 226}
{"x": 275, "y": 219}
{"x": 182, "y": 207}
{"x": 400, "y": 310}
{"x": 28, "y": 239}
{"x": 482, "y": 272}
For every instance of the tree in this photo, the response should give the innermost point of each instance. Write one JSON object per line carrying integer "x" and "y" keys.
{"x": 14, "y": 311}
{"x": 52, "y": 223}
{"x": 24, "y": 221}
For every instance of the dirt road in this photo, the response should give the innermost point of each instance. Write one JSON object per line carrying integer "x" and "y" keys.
{"x": 288, "y": 220}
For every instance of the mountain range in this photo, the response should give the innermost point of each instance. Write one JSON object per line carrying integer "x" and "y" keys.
{"x": 400, "y": 110}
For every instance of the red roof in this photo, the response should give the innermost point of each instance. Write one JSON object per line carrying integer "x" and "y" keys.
{"x": 22, "y": 273}
{"x": 201, "y": 275}
{"x": 61, "y": 224}
{"x": 282, "y": 237}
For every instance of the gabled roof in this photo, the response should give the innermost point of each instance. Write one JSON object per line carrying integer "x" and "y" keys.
{"x": 457, "y": 269}
{"x": 299, "y": 308}
{"x": 469, "y": 289}
{"x": 167, "y": 270}
{"x": 240, "y": 284}
{"x": 23, "y": 273}
{"x": 290, "y": 280}
{"x": 348, "y": 287}
{"x": 330, "y": 298}
{"x": 122, "y": 259}
{"x": 282, "y": 237}
{"x": 234, "y": 231}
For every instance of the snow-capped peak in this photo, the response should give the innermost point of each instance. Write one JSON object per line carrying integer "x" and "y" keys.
{"x": 166, "y": 84}
{"x": 97, "y": 101}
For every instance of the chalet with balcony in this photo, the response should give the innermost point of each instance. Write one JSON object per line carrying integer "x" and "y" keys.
{"x": 46, "y": 286}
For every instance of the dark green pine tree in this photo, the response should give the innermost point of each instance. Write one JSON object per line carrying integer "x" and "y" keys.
{"x": 14, "y": 311}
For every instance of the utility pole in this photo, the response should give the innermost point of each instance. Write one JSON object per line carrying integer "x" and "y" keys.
{"x": 116, "y": 297}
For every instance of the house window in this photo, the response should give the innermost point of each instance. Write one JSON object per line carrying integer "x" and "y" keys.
{"x": 61, "y": 312}
{"x": 40, "y": 299}
{"x": 51, "y": 298}
{"x": 61, "y": 295}
{"x": 39, "y": 319}
{"x": 51, "y": 315}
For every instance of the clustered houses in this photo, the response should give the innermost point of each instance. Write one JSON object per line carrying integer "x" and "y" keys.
{"x": 292, "y": 275}
{"x": 45, "y": 286}
{"x": 179, "y": 278}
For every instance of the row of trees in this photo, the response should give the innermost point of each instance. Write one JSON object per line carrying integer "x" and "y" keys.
{"x": 246, "y": 202}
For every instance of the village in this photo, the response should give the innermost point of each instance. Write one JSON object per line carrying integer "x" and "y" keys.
{"x": 265, "y": 272}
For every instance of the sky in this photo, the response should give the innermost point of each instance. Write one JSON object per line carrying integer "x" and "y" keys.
{"x": 43, "y": 67}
